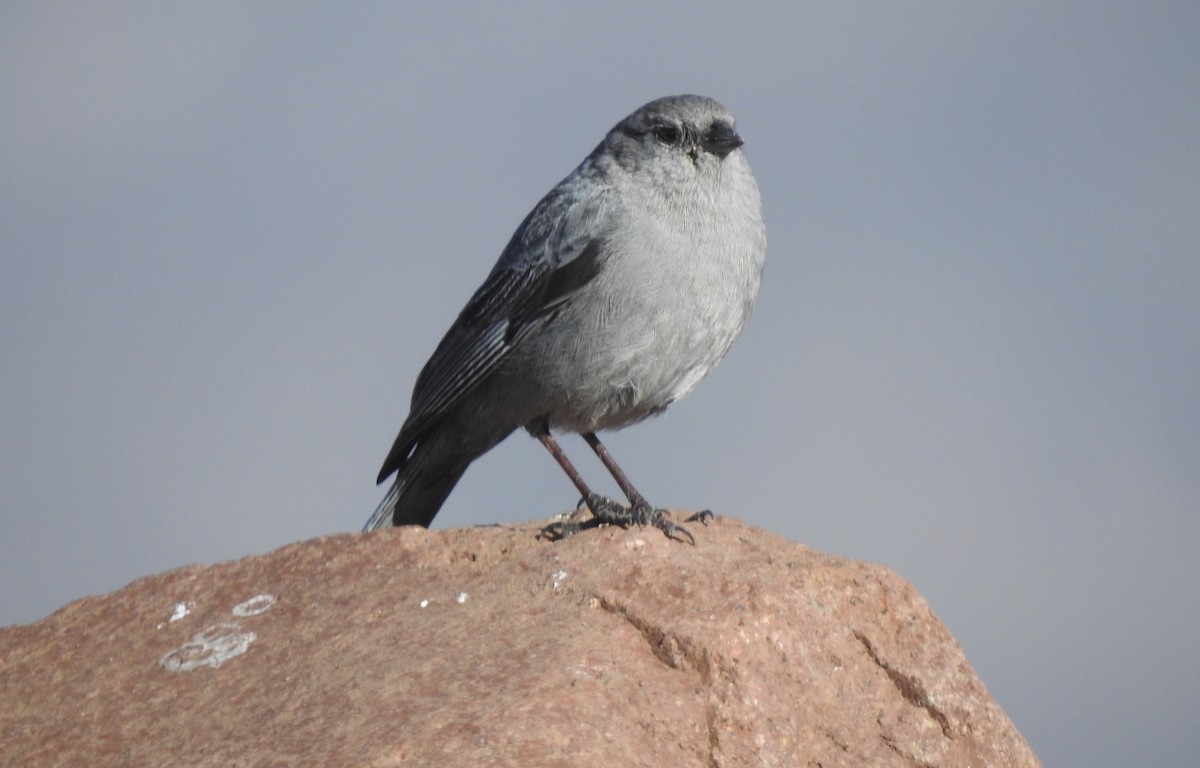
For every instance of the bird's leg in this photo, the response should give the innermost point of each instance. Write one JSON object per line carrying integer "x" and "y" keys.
{"x": 640, "y": 512}
{"x": 595, "y": 501}
{"x": 604, "y": 510}
{"x": 635, "y": 498}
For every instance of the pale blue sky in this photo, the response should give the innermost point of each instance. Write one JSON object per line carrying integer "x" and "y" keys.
{"x": 232, "y": 233}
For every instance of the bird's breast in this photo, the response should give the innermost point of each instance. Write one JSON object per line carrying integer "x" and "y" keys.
{"x": 663, "y": 310}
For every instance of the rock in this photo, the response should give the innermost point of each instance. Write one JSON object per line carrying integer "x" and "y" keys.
{"x": 488, "y": 646}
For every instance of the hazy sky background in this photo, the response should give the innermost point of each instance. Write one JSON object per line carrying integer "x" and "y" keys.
{"x": 232, "y": 234}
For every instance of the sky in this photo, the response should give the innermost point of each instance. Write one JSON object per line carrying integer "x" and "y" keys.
{"x": 232, "y": 233}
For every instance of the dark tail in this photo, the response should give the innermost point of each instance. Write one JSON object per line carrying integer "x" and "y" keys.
{"x": 414, "y": 498}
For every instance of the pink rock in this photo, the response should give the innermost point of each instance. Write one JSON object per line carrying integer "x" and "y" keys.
{"x": 488, "y": 646}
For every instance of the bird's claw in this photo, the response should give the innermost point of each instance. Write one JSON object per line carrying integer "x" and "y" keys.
{"x": 606, "y": 511}
{"x": 560, "y": 530}
{"x": 702, "y": 517}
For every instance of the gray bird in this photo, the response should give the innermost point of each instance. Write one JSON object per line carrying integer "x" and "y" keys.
{"x": 619, "y": 291}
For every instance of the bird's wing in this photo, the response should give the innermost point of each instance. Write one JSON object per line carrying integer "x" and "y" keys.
{"x": 554, "y": 253}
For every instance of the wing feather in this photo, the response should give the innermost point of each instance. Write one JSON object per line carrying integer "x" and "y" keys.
{"x": 555, "y": 252}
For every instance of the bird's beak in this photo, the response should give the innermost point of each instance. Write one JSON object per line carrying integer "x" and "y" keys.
{"x": 720, "y": 140}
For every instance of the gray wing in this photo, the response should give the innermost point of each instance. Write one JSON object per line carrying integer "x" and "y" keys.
{"x": 556, "y": 251}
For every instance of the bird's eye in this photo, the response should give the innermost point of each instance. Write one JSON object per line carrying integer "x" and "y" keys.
{"x": 666, "y": 134}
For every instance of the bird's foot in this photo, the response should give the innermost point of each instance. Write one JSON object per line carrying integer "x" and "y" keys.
{"x": 606, "y": 511}
{"x": 562, "y": 529}
{"x": 702, "y": 517}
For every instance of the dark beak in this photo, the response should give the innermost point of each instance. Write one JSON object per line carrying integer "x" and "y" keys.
{"x": 721, "y": 139}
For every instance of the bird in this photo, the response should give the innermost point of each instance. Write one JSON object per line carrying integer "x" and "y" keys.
{"x": 622, "y": 288}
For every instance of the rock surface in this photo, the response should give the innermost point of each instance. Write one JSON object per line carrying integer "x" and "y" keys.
{"x": 487, "y": 646}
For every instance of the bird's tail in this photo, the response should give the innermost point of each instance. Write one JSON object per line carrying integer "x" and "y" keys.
{"x": 414, "y": 498}
{"x": 385, "y": 512}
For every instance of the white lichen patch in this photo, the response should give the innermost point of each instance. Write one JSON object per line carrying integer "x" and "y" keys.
{"x": 218, "y": 643}
{"x": 255, "y": 605}
{"x": 210, "y": 648}
{"x": 180, "y": 611}
{"x": 557, "y": 579}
